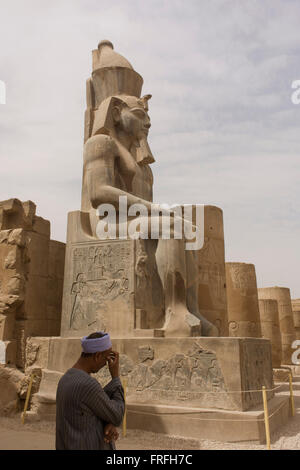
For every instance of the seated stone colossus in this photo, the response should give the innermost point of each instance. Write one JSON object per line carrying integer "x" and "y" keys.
{"x": 143, "y": 286}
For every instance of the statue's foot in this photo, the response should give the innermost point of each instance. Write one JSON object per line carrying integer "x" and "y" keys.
{"x": 212, "y": 330}
{"x": 208, "y": 328}
{"x": 179, "y": 322}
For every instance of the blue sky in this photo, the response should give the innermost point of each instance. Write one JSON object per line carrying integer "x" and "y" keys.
{"x": 224, "y": 129}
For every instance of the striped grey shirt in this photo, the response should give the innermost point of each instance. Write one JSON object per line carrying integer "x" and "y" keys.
{"x": 83, "y": 408}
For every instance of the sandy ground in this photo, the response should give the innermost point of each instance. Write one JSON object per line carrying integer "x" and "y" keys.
{"x": 41, "y": 435}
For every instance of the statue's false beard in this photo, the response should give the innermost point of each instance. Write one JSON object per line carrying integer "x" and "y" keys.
{"x": 143, "y": 152}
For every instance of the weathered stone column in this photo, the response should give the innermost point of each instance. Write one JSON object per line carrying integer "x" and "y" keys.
{"x": 286, "y": 322}
{"x": 211, "y": 271}
{"x": 269, "y": 321}
{"x": 296, "y": 316}
{"x": 242, "y": 300}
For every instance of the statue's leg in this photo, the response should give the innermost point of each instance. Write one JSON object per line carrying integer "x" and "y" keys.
{"x": 178, "y": 271}
{"x": 171, "y": 265}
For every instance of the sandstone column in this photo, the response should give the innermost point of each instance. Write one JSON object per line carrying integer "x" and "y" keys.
{"x": 242, "y": 300}
{"x": 211, "y": 278}
{"x": 269, "y": 320}
{"x": 286, "y": 322}
{"x": 296, "y": 316}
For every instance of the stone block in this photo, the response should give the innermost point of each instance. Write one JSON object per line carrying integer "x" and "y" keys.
{"x": 37, "y": 352}
{"x": 201, "y": 423}
{"x": 30, "y": 287}
{"x": 99, "y": 288}
{"x": 10, "y": 379}
{"x": 41, "y": 226}
{"x": 38, "y": 252}
{"x": 222, "y": 373}
{"x": 56, "y": 265}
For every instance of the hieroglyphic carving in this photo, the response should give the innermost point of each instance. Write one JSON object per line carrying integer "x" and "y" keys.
{"x": 238, "y": 329}
{"x": 100, "y": 275}
{"x": 243, "y": 278}
{"x": 145, "y": 352}
{"x": 211, "y": 270}
{"x": 141, "y": 268}
{"x": 256, "y": 360}
{"x": 184, "y": 377}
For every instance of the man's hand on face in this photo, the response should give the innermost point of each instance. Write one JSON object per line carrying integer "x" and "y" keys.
{"x": 113, "y": 363}
{"x": 110, "y": 433}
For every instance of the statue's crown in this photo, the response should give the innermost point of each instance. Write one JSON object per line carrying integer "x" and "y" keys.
{"x": 113, "y": 75}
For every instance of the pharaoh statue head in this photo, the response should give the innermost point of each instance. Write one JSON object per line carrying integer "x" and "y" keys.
{"x": 114, "y": 102}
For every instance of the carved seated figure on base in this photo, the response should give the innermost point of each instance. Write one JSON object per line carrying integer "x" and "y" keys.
{"x": 142, "y": 286}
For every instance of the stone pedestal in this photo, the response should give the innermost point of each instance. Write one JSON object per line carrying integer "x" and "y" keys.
{"x": 286, "y": 322}
{"x": 202, "y": 423}
{"x": 171, "y": 379}
{"x": 269, "y": 319}
{"x": 242, "y": 300}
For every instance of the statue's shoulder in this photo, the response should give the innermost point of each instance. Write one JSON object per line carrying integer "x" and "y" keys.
{"x": 99, "y": 146}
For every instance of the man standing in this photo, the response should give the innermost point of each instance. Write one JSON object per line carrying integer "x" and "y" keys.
{"x": 87, "y": 414}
